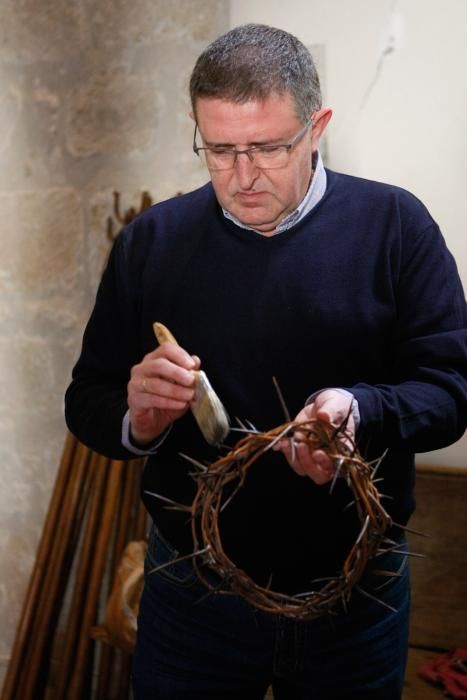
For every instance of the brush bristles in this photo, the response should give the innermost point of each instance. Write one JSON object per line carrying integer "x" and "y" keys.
{"x": 209, "y": 412}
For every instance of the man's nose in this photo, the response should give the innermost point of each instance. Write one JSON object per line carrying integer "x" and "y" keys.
{"x": 246, "y": 170}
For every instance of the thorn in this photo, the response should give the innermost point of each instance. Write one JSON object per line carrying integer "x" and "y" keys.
{"x": 277, "y": 439}
{"x": 241, "y": 424}
{"x": 174, "y": 504}
{"x": 339, "y": 463}
{"x": 199, "y": 465}
{"x": 293, "y": 450}
{"x": 350, "y": 504}
{"x": 230, "y": 498}
{"x": 377, "y": 463}
{"x": 244, "y": 430}
{"x": 395, "y": 550}
{"x": 409, "y": 554}
{"x": 398, "y": 573}
{"x": 285, "y": 410}
{"x": 179, "y": 559}
{"x": 185, "y": 509}
{"x": 387, "y": 550}
{"x": 381, "y": 572}
{"x": 363, "y": 530}
{"x": 409, "y": 529}
{"x": 322, "y": 580}
{"x": 305, "y": 594}
{"x": 374, "y": 499}
{"x": 342, "y": 426}
{"x": 374, "y": 598}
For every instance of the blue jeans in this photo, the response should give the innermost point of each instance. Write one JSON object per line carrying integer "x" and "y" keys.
{"x": 196, "y": 645}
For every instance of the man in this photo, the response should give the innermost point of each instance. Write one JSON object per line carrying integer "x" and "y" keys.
{"x": 340, "y": 288}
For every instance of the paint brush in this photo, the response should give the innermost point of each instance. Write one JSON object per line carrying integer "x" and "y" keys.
{"x": 206, "y": 406}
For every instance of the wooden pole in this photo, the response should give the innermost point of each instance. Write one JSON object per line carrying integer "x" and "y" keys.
{"x": 124, "y": 677}
{"x": 80, "y": 669}
{"x": 99, "y": 468}
{"x": 33, "y": 593}
{"x": 54, "y": 582}
{"x": 109, "y": 660}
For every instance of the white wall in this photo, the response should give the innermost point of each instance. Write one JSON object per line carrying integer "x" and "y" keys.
{"x": 395, "y": 78}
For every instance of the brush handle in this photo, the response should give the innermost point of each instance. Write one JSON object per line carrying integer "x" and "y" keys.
{"x": 206, "y": 406}
{"x": 163, "y": 334}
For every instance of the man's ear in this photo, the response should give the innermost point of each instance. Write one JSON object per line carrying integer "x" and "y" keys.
{"x": 192, "y": 115}
{"x": 320, "y": 121}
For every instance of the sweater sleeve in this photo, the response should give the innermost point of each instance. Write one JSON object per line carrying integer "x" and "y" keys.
{"x": 95, "y": 401}
{"x": 425, "y": 406}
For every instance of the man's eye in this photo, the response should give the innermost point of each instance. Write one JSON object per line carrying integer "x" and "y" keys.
{"x": 269, "y": 150}
{"x": 219, "y": 151}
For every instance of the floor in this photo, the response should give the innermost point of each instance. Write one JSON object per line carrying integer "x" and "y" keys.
{"x": 415, "y": 687}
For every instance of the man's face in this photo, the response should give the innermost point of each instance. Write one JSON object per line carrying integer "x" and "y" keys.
{"x": 259, "y": 198}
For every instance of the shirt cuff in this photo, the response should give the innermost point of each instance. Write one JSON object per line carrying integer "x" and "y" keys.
{"x": 150, "y": 449}
{"x": 354, "y": 406}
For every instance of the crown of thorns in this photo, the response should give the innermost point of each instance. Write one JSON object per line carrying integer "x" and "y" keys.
{"x": 210, "y": 501}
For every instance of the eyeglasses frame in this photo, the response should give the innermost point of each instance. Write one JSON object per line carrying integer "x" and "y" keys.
{"x": 247, "y": 151}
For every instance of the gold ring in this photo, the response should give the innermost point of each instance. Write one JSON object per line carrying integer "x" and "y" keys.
{"x": 143, "y": 385}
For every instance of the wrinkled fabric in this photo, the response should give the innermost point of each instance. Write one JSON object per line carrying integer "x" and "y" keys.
{"x": 448, "y": 671}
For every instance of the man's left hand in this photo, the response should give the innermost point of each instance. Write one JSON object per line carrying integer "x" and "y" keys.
{"x": 332, "y": 407}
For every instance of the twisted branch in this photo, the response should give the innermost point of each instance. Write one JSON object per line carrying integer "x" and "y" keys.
{"x": 209, "y": 502}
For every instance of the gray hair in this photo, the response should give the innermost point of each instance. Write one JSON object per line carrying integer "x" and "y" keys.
{"x": 254, "y": 61}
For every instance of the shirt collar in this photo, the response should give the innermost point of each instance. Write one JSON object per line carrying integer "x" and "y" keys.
{"x": 313, "y": 195}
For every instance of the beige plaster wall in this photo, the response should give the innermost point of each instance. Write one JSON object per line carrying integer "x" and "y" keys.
{"x": 92, "y": 99}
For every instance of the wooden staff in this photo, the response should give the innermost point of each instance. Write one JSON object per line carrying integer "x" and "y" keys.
{"x": 139, "y": 533}
{"x": 54, "y": 581}
{"x": 107, "y": 657}
{"x": 80, "y": 675}
{"x": 99, "y": 469}
{"x": 30, "y": 605}
{"x": 124, "y": 677}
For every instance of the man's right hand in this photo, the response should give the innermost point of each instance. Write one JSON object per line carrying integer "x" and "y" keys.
{"x": 160, "y": 390}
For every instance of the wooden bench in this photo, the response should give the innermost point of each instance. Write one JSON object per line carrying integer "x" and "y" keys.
{"x": 439, "y": 582}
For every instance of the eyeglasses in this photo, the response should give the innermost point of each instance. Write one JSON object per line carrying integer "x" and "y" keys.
{"x": 264, "y": 157}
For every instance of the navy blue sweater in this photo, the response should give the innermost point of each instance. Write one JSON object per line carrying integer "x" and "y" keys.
{"x": 361, "y": 294}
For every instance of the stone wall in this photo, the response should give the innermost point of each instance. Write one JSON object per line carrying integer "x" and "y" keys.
{"x": 93, "y": 99}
